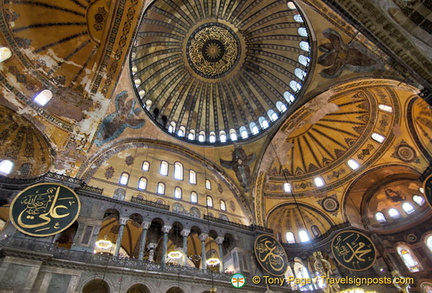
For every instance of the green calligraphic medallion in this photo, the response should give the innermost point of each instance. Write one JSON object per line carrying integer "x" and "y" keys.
{"x": 44, "y": 209}
{"x": 427, "y": 187}
{"x": 353, "y": 250}
{"x": 271, "y": 255}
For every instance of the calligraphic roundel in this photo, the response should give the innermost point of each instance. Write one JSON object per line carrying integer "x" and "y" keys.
{"x": 271, "y": 255}
{"x": 353, "y": 250}
{"x": 44, "y": 209}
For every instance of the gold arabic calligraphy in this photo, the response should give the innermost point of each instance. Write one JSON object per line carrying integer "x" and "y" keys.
{"x": 41, "y": 208}
{"x": 271, "y": 254}
{"x": 353, "y": 251}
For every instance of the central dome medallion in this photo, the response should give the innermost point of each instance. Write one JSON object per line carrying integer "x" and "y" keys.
{"x": 216, "y": 72}
{"x": 213, "y": 50}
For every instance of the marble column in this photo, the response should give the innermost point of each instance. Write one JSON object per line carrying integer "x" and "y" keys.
{"x": 185, "y": 233}
{"x": 123, "y": 221}
{"x": 165, "y": 230}
{"x": 219, "y": 241}
{"x": 143, "y": 239}
{"x": 203, "y": 237}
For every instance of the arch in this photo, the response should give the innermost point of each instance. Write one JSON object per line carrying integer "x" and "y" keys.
{"x": 138, "y": 288}
{"x": 142, "y": 183}
{"x": 408, "y": 258}
{"x": 178, "y": 171}
{"x": 124, "y": 178}
{"x": 145, "y": 166}
{"x": 163, "y": 170}
{"x": 175, "y": 290}
{"x": 194, "y": 212}
{"x": 66, "y": 237}
{"x": 96, "y": 286}
{"x": 177, "y": 192}
{"x": 193, "y": 197}
{"x": 209, "y": 201}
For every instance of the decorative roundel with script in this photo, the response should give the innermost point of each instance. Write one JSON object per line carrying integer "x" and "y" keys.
{"x": 44, "y": 209}
{"x": 271, "y": 255}
{"x": 353, "y": 250}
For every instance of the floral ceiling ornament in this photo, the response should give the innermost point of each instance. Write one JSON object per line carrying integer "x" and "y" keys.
{"x": 339, "y": 56}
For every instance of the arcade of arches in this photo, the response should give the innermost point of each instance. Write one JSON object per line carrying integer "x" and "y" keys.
{"x": 189, "y": 128}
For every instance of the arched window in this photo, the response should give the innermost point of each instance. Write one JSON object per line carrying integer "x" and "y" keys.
{"x": 142, "y": 184}
{"x": 380, "y": 217}
{"x": 161, "y": 188}
{"x": 303, "y": 60}
{"x": 193, "y": 197}
{"x": 222, "y": 136}
{"x": 304, "y": 46}
{"x": 408, "y": 208}
{"x": 290, "y": 237}
{"x": 353, "y": 164}
{"x": 5, "y": 53}
{"x": 222, "y": 205}
{"x": 394, "y": 213}
{"x": 201, "y": 136}
{"x": 6, "y": 167}
{"x": 164, "y": 168}
{"x": 181, "y": 132}
{"x": 192, "y": 177}
{"x": 233, "y": 135}
{"x": 302, "y": 31}
{"x": 385, "y": 108}
{"x": 319, "y": 181}
{"x": 178, "y": 171}
{"x": 429, "y": 242}
{"x": 295, "y": 86}
{"x": 378, "y": 137}
{"x": 208, "y": 184}
{"x": 272, "y": 115}
{"x": 287, "y": 187}
{"x": 177, "y": 193}
{"x": 263, "y": 122}
{"x": 281, "y": 106}
{"x": 243, "y": 132}
{"x": 43, "y": 97}
{"x": 209, "y": 201}
{"x": 291, "y": 5}
{"x": 253, "y": 128}
{"x": 298, "y": 18}
{"x": 418, "y": 199}
{"x": 212, "y": 137}
{"x": 304, "y": 236}
{"x": 124, "y": 178}
{"x": 172, "y": 127}
{"x": 408, "y": 258}
{"x": 315, "y": 231}
{"x": 300, "y": 73}
{"x": 145, "y": 166}
{"x": 191, "y": 134}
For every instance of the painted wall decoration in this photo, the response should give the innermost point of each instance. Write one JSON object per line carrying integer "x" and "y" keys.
{"x": 353, "y": 250}
{"x": 44, "y": 209}
{"x": 240, "y": 164}
{"x": 339, "y": 56}
{"x": 271, "y": 255}
{"x": 125, "y": 115}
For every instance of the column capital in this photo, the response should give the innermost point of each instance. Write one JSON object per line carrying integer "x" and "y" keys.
{"x": 203, "y": 236}
{"x": 220, "y": 239}
{"x": 123, "y": 220}
{"x": 185, "y": 232}
{"x": 145, "y": 225}
{"x": 152, "y": 245}
{"x": 166, "y": 228}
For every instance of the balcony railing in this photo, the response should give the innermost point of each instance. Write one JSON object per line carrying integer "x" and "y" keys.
{"x": 53, "y": 252}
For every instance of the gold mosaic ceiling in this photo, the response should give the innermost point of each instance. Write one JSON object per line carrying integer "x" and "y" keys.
{"x": 203, "y": 69}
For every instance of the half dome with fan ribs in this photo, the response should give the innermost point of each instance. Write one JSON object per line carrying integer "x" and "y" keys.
{"x": 216, "y": 72}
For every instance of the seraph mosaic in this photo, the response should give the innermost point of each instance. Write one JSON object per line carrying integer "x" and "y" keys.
{"x": 126, "y": 115}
